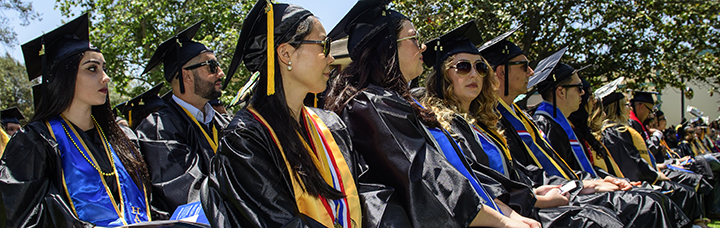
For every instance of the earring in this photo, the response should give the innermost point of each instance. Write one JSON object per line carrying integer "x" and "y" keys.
{"x": 289, "y": 66}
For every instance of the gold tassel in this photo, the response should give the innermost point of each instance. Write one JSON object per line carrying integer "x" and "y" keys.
{"x": 129, "y": 116}
{"x": 315, "y": 104}
{"x": 270, "y": 48}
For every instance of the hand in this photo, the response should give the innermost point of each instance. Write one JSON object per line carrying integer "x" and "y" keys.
{"x": 603, "y": 186}
{"x": 542, "y": 190}
{"x": 553, "y": 198}
{"x": 512, "y": 223}
{"x": 662, "y": 177}
{"x": 624, "y": 185}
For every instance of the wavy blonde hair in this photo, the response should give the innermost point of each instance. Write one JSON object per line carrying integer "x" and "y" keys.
{"x": 482, "y": 108}
{"x": 616, "y": 114}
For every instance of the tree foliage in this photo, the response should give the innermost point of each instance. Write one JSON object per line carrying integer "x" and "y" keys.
{"x": 129, "y": 31}
{"x": 14, "y": 86}
{"x": 651, "y": 42}
{"x": 8, "y": 37}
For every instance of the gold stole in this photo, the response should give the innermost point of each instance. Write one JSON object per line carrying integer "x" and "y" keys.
{"x": 312, "y": 206}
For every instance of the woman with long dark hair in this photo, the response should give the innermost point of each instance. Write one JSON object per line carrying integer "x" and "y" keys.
{"x": 391, "y": 131}
{"x": 283, "y": 164}
{"x": 72, "y": 165}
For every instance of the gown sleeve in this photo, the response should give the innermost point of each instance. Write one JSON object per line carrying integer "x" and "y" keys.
{"x": 248, "y": 186}
{"x": 31, "y": 183}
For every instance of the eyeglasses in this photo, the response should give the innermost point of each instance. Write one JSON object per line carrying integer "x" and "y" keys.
{"x": 579, "y": 86}
{"x": 416, "y": 37}
{"x": 325, "y": 43}
{"x": 648, "y": 107}
{"x": 213, "y": 63}
{"x": 525, "y": 64}
{"x": 464, "y": 68}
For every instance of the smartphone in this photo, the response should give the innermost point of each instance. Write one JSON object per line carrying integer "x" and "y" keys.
{"x": 569, "y": 186}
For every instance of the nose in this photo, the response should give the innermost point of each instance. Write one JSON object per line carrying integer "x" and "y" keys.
{"x": 530, "y": 72}
{"x": 330, "y": 59}
{"x": 582, "y": 91}
{"x": 422, "y": 47}
{"x": 221, "y": 73}
{"x": 105, "y": 78}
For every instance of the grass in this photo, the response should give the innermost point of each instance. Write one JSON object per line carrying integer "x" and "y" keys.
{"x": 715, "y": 224}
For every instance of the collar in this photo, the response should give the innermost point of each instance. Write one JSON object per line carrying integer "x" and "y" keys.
{"x": 634, "y": 117}
{"x": 205, "y": 119}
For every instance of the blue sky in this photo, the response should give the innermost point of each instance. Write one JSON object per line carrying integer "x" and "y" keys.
{"x": 329, "y": 12}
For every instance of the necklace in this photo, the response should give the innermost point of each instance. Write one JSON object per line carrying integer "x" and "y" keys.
{"x": 95, "y": 166}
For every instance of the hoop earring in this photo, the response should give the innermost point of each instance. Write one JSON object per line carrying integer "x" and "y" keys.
{"x": 289, "y": 68}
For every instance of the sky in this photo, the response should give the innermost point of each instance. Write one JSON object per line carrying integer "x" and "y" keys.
{"x": 329, "y": 11}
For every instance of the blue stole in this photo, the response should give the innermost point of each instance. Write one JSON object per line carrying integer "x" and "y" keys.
{"x": 545, "y": 109}
{"x": 90, "y": 198}
{"x": 456, "y": 159}
{"x": 531, "y": 139}
{"x": 494, "y": 150}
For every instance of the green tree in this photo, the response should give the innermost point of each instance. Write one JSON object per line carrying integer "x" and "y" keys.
{"x": 16, "y": 90}
{"x": 129, "y": 31}
{"x": 650, "y": 42}
{"x": 25, "y": 9}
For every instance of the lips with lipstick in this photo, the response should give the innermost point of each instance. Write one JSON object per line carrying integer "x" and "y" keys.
{"x": 472, "y": 85}
{"x": 103, "y": 90}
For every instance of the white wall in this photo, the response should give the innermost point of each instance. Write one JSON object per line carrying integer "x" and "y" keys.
{"x": 702, "y": 100}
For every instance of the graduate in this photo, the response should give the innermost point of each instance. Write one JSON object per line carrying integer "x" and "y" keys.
{"x": 460, "y": 87}
{"x": 283, "y": 164}
{"x": 179, "y": 140}
{"x": 136, "y": 109}
{"x": 628, "y": 147}
{"x": 72, "y": 166}
{"x": 11, "y": 120}
{"x": 529, "y": 148}
{"x": 388, "y": 128}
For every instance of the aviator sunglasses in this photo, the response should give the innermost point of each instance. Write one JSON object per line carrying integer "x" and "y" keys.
{"x": 464, "y": 68}
{"x": 325, "y": 43}
{"x": 212, "y": 63}
{"x": 525, "y": 64}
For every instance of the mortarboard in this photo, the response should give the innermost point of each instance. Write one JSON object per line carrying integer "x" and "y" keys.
{"x": 612, "y": 97}
{"x": 252, "y": 46}
{"x": 463, "y": 39}
{"x": 609, "y": 88}
{"x": 11, "y": 115}
{"x": 44, "y": 53}
{"x": 365, "y": 20}
{"x": 549, "y": 72}
{"x": 499, "y": 51}
{"x": 643, "y": 96}
{"x": 139, "y": 107}
{"x": 176, "y": 52}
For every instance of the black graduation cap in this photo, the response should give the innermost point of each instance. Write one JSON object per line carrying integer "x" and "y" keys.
{"x": 254, "y": 38}
{"x": 167, "y": 96}
{"x": 176, "y": 52}
{"x": 499, "y": 51}
{"x": 11, "y": 115}
{"x": 139, "y": 107}
{"x": 549, "y": 66}
{"x": 463, "y": 39}
{"x": 612, "y": 97}
{"x": 364, "y": 21}
{"x": 644, "y": 97}
{"x": 44, "y": 53}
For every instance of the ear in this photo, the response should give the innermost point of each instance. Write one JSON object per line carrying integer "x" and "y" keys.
{"x": 500, "y": 72}
{"x": 559, "y": 92}
{"x": 283, "y": 52}
{"x": 187, "y": 76}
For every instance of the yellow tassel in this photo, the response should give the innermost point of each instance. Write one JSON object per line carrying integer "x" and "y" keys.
{"x": 315, "y": 104}
{"x": 129, "y": 116}
{"x": 270, "y": 48}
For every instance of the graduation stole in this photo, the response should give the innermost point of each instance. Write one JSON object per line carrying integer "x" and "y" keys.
{"x": 634, "y": 117}
{"x": 703, "y": 149}
{"x": 495, "y": 147}
{"x": 530, "y": 135}
{"x": 545, "y": 109}
{"x": 344, "y": 212}
{"x": 639, "y": 143}
{"x": 90, "y": 197}
{"x": 670, "y": 153}
{"x": 602, "y": 163}
{"x": 213, "y": 142}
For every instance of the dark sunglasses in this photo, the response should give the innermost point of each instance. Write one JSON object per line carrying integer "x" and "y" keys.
{"x": 525, "y": 64}
{"x": 579, "y": 85}
{"x": 212, "y": 63}
{"x": 464, "y": 68}
{"x": 325, "y": 43}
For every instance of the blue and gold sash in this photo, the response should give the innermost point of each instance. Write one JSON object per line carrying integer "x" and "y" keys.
{"x": 530, "y": 135}
{"x": 495, "y": 148}
{"x": 90, "y": 197}
{"x": 545, "y": 109}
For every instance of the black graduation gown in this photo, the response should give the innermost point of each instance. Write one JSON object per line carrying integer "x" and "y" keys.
{"x": 522, "y": 199}
{"x": 31, "y": 181}
{"x": 177, "y": 155}
{"x": 249, "y": 185}
{"x": 560, "y": 141}
{"x": 639, "y": 207}
{"x": 635, "y": 168}
{"x": 426, "y": 190}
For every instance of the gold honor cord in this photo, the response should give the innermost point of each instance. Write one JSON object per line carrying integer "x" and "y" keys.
{"x": 501, "y": 142}
{"x": 270, "y": 48}
{"x": 214, "y": 141}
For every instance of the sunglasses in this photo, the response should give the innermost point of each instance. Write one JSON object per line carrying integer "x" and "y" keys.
{"x": 464, "y": 68}
{"x": 525, "y": 64}
{"x": 213, "y": 63}
{"x": 325, "y": 44}
{"x": 416, "y": 37}
{"x": 651, "y": 108}
{"x": 579, "y": 86}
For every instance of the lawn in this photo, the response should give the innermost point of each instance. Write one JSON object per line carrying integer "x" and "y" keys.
{"x": 715, "y": 224}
